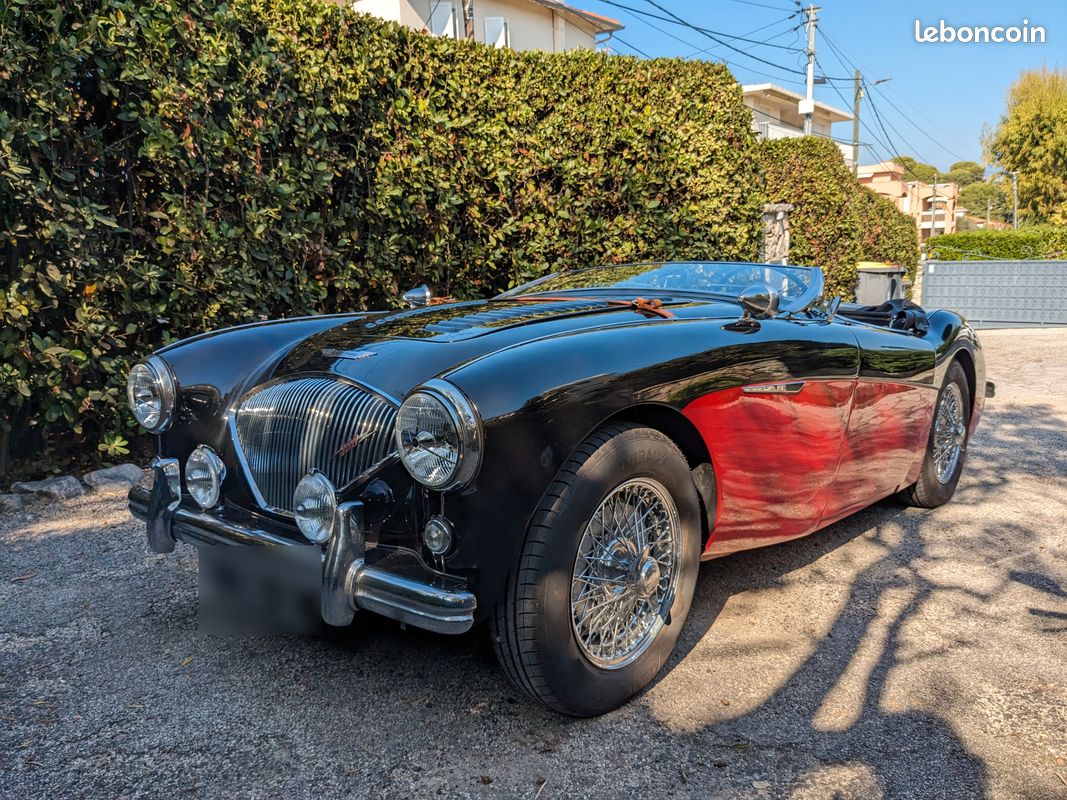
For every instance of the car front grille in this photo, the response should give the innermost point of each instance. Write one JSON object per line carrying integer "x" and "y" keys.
{"x": 286, "y": 429}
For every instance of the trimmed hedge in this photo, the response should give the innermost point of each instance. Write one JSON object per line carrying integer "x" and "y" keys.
{"x": 1039, "y": 241}
{"x": 835, "y": 222}
{"x": 169, "y": 167}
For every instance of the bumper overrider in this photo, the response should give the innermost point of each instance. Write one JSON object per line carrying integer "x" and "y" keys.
{"x": 348, "y": 582}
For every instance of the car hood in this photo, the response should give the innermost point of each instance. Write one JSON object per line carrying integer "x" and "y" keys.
{"x": 395, "y": 351}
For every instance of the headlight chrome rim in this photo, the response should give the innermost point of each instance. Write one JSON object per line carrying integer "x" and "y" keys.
{"x": 164, "y": 390}
{"x": 467, "y": 424}
{"x": 315, "y": 523}
{"x": 203, "y": 457}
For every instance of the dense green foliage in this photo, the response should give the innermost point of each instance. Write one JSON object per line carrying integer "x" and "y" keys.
{"x": 835, "y": 222}
{"x": 1031, "y": 139}
{"x": 168, "y": 167}
{"x": 1038, "y": 241}
{"x": 987, "y": 197}
{"x": 963, "y": 173}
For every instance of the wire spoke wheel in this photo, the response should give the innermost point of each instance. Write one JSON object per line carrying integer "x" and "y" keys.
{"x": 625, "y": 573}
{"x": 950, "y": 433}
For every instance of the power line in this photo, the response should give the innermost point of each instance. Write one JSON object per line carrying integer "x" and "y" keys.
{"x": 639, "y": 16}
{"x": 913, "y": 106}
{"x": 761, "y": 5}
{"x": 676, "y": 21}
{"x": 707, "y": 50}
{"x": 840, "y": 55}
{"x": 893, "y": 150}
{"x": 615, "y": 37}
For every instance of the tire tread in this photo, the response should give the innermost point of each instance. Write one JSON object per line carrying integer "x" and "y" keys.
{"x": 513, "y": 639}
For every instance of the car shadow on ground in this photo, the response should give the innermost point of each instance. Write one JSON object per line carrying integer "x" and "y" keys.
{"x": 900, "y": 750}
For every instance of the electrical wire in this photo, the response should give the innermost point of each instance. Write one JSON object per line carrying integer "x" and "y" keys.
{"x": 840, "y": 55}
{"x": 615, "y": 37}
{"x": 675, "y": 19}
{"x": 640, "y": 17}
{"x": 902, "y": 99}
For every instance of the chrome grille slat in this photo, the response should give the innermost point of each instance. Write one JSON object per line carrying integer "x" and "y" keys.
{"x": 286, "y": 429}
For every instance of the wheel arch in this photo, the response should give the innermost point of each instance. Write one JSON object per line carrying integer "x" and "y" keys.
{"x": 966, "y": 360}
{"x": 680, "y": 430}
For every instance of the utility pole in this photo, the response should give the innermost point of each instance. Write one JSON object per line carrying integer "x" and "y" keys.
{"x": 468, "y": 20}
{"x": 857, "y": 95}
{"x": 988, "y": 210}
{"x": 807, "y": 106}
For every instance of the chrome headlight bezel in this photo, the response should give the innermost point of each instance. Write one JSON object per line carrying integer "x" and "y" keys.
{"x": 467, "y": 423}
{"x": 163, "y": 388}
{"x": 316, "y": 531}
{"x": 216, "y": 473}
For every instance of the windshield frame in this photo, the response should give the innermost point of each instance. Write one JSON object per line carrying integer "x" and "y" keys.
{"x": 792, "y": 305}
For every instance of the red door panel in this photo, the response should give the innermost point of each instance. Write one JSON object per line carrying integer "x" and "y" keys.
{"x": 775, "y": 457}
{"x": 884, "y": 446}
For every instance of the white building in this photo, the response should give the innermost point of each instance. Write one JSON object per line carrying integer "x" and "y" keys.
{"x": 519, "y": 24}
{"x": 776, "y": 115}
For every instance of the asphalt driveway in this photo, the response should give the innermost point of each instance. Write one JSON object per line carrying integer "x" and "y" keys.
{"x": 899, "y": 653}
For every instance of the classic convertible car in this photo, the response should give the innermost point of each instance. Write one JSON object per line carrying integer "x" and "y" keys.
{"x": 557, "y": 460}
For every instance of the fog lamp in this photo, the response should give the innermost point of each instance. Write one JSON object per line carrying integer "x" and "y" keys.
{"x": 315, "y": 507}
{"x": 204, "y": 473}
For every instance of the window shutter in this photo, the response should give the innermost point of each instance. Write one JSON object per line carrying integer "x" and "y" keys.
{"x": 443, "y": 19}
{"x": 496, "y": 32}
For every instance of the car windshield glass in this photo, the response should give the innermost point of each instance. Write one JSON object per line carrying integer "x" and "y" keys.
{"x": 701, "y": 277}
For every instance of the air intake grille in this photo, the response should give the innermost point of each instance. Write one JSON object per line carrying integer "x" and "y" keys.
{"x": 287, "y": 429}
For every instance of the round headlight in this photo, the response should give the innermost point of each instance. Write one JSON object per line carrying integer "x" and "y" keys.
{"x": 315, "y": 505}
{"x": 204, "y": 473}
{"x": 439, "y": 436}
{"x": 150, "y": 391}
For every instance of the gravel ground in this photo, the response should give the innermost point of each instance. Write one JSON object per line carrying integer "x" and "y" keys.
{"x": 899, "y": 653}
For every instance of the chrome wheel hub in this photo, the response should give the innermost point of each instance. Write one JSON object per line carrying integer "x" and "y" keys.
{"x": 625, "y": 573}
{"x": 950, "y": 433}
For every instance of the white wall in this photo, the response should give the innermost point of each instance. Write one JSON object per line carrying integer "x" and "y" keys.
{"x": 530, "y": 26}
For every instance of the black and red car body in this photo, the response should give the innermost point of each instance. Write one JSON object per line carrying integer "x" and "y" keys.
{"x": 556, "y": 460}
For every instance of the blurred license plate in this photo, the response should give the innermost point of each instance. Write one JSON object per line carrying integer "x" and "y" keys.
{"x": 260, "y": 589}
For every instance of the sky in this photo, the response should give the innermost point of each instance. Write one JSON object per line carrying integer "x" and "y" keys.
{"x": 940, "y": 96}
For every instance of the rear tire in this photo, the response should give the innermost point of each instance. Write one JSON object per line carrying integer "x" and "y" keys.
{"x": 606, "y": 575}
{"x": 946, "y": 447}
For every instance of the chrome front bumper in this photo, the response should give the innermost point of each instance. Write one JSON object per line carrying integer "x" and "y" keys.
{"x": 348, "y": 582}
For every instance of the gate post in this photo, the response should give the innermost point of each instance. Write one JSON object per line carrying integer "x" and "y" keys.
{"x": 917, "y": 284}
{"x": 775, "y": 248}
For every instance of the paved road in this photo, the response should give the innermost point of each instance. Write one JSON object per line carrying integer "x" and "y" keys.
{"x": 900, "y": 653}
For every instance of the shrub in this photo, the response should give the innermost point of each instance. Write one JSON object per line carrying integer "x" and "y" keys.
{"x": 170, "y": 167}
{"x": 835, "y": 222}
{"x": 1039, "y": 241}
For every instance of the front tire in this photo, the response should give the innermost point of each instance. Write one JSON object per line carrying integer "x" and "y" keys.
{"x": 946, "y": 447}
{"x": 606, "y": 575}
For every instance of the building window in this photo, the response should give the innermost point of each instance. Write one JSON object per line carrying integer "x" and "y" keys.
{"x": 443, "y": 19}
{"x": 496, "y": 32}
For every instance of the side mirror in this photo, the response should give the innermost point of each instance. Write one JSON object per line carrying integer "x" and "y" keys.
{"x": 758, "y": 302}
{"x": 417, "y": 297}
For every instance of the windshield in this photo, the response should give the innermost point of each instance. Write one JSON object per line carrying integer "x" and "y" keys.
{"x": 797, "y": 287}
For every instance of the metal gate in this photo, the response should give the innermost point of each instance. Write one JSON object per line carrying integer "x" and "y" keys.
{"x": 998, "y": 294}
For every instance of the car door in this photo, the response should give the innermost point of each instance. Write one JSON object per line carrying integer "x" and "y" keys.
{"x": 777, "y": 432}
{"x": 892, "y": 410}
